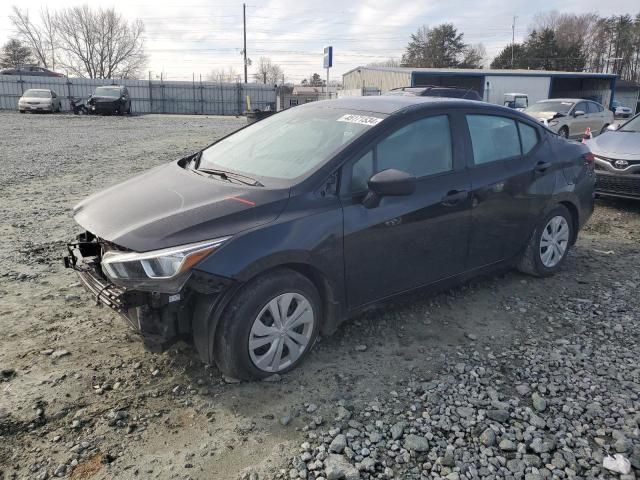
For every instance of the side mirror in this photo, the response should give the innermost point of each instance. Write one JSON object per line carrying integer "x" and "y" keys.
{"x": 613, "y": 127}
{"x": 578, "y": 113}
{"x": 387, "y": 183}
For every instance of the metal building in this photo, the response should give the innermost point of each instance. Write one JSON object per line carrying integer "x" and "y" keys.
{"x": 490, "y": 84}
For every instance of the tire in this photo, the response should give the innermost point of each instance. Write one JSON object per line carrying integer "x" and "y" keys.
{"x": 250, "y": 313}
{"x": 21, "y": 111}
{"x": 604, "y": 129}
{"x": 564, "y": 132}
{"x": 532, "y": 261}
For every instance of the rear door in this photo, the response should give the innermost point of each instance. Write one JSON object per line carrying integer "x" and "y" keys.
{"x": 407, "y": 241}
{"x": 598, "y": 117}
{"x": 512, "y": 180}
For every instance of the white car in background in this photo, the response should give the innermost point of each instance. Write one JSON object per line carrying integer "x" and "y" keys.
{"x": 570, "y": 117}
{"x": 39, "y": 100}
{"x": 620, "y": 110}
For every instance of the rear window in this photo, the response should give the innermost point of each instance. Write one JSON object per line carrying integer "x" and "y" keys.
{"x": 528, "y": 137}
{"x": 493, "y": 138}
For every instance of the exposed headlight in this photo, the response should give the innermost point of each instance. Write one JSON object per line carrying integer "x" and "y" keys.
{"x": 157, "y": 267}
{"x": 553, "y": 123}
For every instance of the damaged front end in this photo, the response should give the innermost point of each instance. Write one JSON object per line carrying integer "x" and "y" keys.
{"x": 154, "y": 292}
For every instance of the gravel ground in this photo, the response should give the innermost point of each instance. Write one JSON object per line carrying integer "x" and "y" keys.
{"x": 506, "y": 377}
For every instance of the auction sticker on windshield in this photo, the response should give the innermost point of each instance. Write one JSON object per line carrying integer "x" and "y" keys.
{"x": 362, "y": 119}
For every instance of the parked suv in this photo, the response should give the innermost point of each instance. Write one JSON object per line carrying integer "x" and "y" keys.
{"x": 39, "y": 100}
{"x": 110, "y": 99}
{"x": 570, "y": 117}
{"x": 253, "y": 246}
{"x": 435, "y": 91}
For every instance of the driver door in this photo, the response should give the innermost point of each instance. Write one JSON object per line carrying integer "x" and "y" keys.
{"x": 407, "y": 241}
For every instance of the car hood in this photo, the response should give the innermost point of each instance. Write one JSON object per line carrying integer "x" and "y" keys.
{"x": 619, "y": 145}
{"x": 105, "y": 99}
{"x": 169, "y": 206}
{"x": 545, "y": 115}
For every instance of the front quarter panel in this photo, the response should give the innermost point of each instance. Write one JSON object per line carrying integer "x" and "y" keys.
{"x": 307, "y": 234}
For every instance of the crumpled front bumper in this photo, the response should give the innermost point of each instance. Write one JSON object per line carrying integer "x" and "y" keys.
{"x": 104, "y": 107}
{"x": 155, "y": 317}
{"x": 104, "y": 292}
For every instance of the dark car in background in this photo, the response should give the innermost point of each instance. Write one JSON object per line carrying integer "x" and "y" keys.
{"x": 30, "y": 70}
{"x": 617, "y": 157}
{"x": 282, "y": 230}
{"x": 110, "y": 100}
{"x": 436, "y": 91}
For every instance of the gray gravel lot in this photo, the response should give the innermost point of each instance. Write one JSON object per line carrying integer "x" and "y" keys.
{"x": 507, "y": 377}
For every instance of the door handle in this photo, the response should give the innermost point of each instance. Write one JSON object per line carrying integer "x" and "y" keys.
{"x": 453, "y": 197}
{"x": 542, "y": 167}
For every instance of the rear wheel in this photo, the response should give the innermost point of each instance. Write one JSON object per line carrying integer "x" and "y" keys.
{"x": 549, "y": 244}
{"x": 269, "y": 327}
{"x": 564, "y": 132}
{"x": 21, "y": 111}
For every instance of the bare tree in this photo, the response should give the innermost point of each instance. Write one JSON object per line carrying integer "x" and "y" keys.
{"x": 41, "y": 37}
{"x": 389, "y": 62}
{"x": 100, "y": 43}
{"x": 222, "y": 75}
{"x": 268, "y": 72}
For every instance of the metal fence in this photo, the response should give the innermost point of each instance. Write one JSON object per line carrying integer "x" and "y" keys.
{"x": 149, "y": 96}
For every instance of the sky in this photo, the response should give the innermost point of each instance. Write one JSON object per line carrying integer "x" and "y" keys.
{"x": 184, "y": 38}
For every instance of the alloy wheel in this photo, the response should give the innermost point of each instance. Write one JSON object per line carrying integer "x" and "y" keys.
{"x": 281, "y": 332}
{"x": 554, "y": 241}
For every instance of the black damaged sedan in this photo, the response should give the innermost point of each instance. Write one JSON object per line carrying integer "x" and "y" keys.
{"x": 277, "y": 233}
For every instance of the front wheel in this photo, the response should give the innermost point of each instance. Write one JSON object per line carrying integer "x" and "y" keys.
{"x": 549, "y": 244}
{"x": 604, "y": 129}
{"x": 269, "y": 327}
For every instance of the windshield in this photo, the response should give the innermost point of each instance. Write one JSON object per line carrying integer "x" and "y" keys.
{"x": 107, "y": 92}
{"x": 632, "y": 125}
{"x": 557, "y": 107}
{"x": 37, "y": 94}
{"x": 289, "y": 144}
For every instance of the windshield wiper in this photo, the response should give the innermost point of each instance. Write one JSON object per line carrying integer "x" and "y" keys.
{"x": 231, "y": 176}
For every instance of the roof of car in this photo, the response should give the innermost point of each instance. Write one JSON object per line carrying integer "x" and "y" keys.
{"x": 389, "y": 104}
{"x": 572, "y": 100}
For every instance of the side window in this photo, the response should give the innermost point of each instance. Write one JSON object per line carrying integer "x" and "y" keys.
{"x": 581, "y": 106}
{"x": 528, "y": 137}
{"x": 493, "y": 138}
{"x": 420, "y": 148}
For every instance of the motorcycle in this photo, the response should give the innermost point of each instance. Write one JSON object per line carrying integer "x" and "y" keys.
{"x": 78, "y": 108}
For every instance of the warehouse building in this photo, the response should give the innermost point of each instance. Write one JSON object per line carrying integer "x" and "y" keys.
{"x": 492, "y": 85}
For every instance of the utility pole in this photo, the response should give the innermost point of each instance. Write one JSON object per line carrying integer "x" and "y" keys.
{"x": 513, "y": 38}
{"x": 244, "y": 50}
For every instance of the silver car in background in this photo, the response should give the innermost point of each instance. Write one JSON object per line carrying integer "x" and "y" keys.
{"x": 617, "y": 160}
{"x": 39, "y": 100}
{"x": 570, "y": 117}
